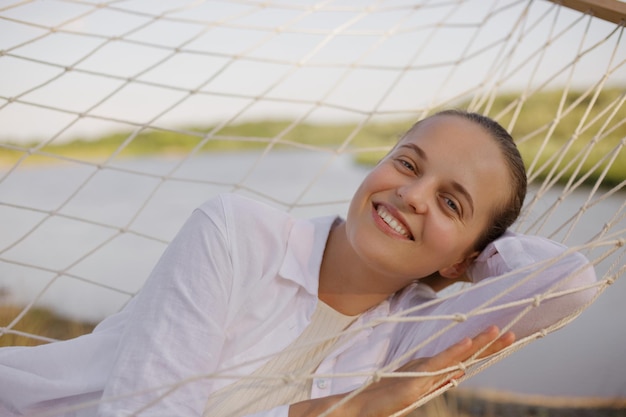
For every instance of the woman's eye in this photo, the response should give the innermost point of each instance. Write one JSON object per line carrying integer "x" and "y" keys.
{"x": 406, "y": 164}
{"x": 450, "y": 203}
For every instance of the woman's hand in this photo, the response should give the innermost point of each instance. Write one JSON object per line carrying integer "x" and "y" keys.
{"x": 392, "y": 394}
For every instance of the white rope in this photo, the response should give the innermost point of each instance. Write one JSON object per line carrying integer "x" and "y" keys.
{"x": 394, "y": 70}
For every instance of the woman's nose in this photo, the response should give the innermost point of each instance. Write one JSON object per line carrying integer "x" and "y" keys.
{"x": 417, "y": 194}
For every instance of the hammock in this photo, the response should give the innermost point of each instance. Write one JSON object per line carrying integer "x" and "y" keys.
{"x": 120, "y": 117}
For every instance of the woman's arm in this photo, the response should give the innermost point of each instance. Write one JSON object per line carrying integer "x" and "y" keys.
{"x": 174, "y": 334}
{"x": 391, "y": 395}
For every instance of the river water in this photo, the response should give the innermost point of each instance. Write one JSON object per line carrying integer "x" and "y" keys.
{"x": 586, "y": 358}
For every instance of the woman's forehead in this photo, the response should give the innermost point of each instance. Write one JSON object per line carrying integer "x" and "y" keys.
{"x": 454, "y": 137}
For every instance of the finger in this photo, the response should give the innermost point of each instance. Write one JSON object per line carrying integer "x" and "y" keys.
{"x": 500, "y": 343}
{"x": 465, "y": 349}
{"x": 462, "y": 350}
{"x": 449, "y": 357}
{"x": 485, "y": 337}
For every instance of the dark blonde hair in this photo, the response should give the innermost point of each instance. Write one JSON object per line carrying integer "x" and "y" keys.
{"x": 504, "y": 216}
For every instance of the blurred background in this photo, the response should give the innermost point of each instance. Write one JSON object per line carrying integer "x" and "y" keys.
{"x": 117, "y": 118}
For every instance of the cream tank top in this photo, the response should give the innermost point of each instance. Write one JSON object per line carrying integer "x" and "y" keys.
{"x": 276, "y": 383}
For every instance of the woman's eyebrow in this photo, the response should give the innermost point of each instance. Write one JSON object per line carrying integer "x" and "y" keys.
{"x": 419, "y": 151}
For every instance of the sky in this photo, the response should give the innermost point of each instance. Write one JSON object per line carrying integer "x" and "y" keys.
{"x": 71, "y": 69}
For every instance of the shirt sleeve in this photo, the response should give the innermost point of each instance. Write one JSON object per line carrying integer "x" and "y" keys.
{"x": 527, "y": 284}
{"x": 175, "y": 333}
{"x": 557, "y": 281}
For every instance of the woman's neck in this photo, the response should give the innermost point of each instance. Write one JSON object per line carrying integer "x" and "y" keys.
{"x": 346, "y": 283}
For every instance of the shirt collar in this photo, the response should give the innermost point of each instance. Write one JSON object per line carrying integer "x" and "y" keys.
{"x": 305, "y": 248}
{"x": 303, "y": 259}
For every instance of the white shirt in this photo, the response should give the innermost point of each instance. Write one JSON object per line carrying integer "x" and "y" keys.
{"x": 236, "y": 285}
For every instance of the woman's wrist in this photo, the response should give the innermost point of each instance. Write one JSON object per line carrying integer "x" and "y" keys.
{"x": 317, "y": 406}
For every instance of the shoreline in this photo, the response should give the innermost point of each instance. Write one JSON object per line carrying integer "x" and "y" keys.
{"x": 99, "y": 159}
{"x": 560, "y": 401}
{"x": 475, "y": 402}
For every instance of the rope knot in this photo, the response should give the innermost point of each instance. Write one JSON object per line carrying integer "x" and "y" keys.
{"x": 460, "y": 317}
{"x": 289, "y": 378}
{"x": 376, "y": 377}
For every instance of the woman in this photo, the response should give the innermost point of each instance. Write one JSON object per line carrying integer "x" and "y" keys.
{"x": 246, "y": 290}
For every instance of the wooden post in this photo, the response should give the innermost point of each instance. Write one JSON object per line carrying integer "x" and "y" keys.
{"x": 611, "y": 10}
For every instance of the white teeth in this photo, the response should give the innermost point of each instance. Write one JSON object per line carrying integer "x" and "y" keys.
{"x": 391, "y": 221}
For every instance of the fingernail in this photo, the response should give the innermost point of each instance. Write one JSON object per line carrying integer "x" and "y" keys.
{"x": 465, "y": 341}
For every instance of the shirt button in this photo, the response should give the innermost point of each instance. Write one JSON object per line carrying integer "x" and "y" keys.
{"x": 322, "y": 383}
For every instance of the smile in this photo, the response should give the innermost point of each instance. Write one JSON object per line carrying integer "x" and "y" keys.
{"x": 392, "y": 222}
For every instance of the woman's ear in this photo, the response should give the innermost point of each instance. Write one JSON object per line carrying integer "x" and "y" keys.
{"x": 458, "y": 270}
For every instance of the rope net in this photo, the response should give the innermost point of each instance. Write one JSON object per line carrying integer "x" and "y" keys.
{"x": 120, "y": 117}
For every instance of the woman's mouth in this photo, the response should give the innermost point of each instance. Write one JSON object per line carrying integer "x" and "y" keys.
{"x": 392, "y": 222}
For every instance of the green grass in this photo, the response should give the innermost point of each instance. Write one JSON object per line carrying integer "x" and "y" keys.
{"x": 531, "y": 128}
{"x": 41, "y": 322}
{"x": 564, "y": 146}
{"x": 562, "y": 153}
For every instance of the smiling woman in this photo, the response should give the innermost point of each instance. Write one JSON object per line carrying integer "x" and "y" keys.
{"x": 254, "y": 292}
{"x": 263, "y": 305}
{"x": 442, "y": 186}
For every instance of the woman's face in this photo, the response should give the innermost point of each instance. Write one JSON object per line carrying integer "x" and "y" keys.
{"x": 421, "y": 209}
